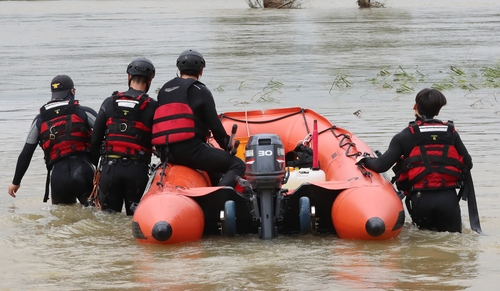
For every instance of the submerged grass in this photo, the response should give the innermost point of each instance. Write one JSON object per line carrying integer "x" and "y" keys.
{"x": 340, "y": 82}
{"x": 220, "y": 88}
{"x": 272, "y": 87}
{"x": 405, "y": 81}
{"x": 492, "y": 75}
{"x": 487, "y": 100}
{"x": 402, "y": 80}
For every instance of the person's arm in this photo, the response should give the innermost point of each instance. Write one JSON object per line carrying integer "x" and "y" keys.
{"x": 462, "y": 150}
{"x": 151, "y": 109}
{"x": 213, "y": 121}
{"x": 387, "y": 159}
{"x": 89, "y": 115}
{"x": 24, "y": 159}
{"x": 99, "y": 130}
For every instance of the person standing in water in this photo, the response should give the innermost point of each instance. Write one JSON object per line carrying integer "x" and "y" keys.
{"x": 63, "y": 130}
{"x": 431, "y": 161}
{"x": 122, "y": 140}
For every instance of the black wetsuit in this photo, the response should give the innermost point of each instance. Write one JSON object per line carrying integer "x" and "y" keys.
{"x": 195, "y": 153}
{"x": 124, "y": 178}
{"x": 430, "y": 209}
{"x": 71, "y": 176}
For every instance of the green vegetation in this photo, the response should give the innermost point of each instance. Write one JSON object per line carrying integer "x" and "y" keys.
{"x": 457, "y": 78}
{"x": 340, "y": 82}
{"x": 405, "y": 81}
{"x": 220, "y": 88}
{"x": 400, "y": 80}
{"x": 486, "y": 77}
{"x": 273, "y": 86}
{"x": 492, "y": 76}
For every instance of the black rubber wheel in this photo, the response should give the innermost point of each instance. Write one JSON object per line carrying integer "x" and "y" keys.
{"x": 305, "y": 215}
{"x": 229, "y": 223}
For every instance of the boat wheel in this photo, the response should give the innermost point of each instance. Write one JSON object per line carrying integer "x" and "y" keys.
{"x": 305, "y": 215}
{"x": 228, "y": 219}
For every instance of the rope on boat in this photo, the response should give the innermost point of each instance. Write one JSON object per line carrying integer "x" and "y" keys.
{"x": 305, "y": 120}
{"x": 246, "y": 123}
{"x": 222, "y": 116}
{"x": 345, "y": 140}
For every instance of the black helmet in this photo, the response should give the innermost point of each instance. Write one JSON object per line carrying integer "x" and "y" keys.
{"x": 190, "y": 60}
{"x": 141, "y": 66}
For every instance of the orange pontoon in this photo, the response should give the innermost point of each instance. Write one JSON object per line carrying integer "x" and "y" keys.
{"x": 334, "y": 196}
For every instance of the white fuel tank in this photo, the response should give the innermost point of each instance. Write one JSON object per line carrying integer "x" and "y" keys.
{"x": 303, "y": 175}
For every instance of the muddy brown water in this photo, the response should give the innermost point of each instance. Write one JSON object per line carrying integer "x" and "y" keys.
{"x": 361, "y": 68}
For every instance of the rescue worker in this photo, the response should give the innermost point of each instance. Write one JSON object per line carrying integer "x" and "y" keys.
{"x": 122, "y": 140}
{"x": 63, "y": 130}
{"x": 184, "y": 119}
{"x": 431, "y": 162}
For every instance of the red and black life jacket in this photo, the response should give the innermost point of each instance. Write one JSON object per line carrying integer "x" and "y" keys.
{"x": 174, "y": 120}
{"x": 127, "y": 133}
{"x": 62, "y": 132}
{"x": 434, "y": 162}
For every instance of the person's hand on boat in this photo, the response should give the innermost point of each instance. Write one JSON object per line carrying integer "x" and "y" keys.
{"x": 360, "y": 159}
{"x": 13, "y": 189}
{"x": 234, "y": 148}
{"x": 225, "y": 144}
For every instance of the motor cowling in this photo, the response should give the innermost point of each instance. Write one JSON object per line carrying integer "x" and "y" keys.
{"x": 265, "y": 161}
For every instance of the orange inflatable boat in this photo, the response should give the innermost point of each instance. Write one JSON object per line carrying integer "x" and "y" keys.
{"x": 301, "y": 178}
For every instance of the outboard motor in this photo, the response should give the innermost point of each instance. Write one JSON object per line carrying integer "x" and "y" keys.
{"x": 265, "y": 160}
{"x": 265, "y": 172}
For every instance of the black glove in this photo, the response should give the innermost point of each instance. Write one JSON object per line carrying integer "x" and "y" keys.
{"x": 360, "y": 159}
{"x": 224, "y": 144}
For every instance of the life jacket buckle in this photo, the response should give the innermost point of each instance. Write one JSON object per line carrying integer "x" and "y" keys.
{"x": 125, "y": 161}
{"x": 53, "y": 132}
{"x": 123, "y": 127}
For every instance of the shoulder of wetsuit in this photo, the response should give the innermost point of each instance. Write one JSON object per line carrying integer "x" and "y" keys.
{"x": 200, "y": 83}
